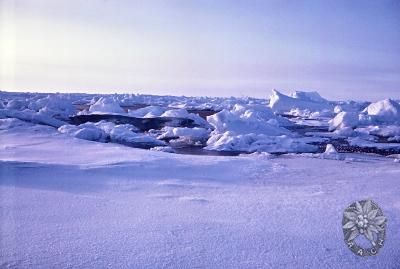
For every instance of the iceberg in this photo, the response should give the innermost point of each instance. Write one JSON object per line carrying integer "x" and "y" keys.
{"x": 300, "y": 100}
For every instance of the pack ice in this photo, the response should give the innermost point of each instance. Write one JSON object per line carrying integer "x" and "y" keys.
{"x": 227, "y": 182}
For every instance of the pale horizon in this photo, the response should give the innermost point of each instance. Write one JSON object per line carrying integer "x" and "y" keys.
{"x": 343, "y": 50}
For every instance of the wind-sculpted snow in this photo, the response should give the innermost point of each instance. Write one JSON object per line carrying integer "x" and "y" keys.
{"x": 72, "y": 203}
{"x": 78, "y": 190}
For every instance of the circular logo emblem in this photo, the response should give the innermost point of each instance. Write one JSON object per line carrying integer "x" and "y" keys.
{"x": 364, "y": 227}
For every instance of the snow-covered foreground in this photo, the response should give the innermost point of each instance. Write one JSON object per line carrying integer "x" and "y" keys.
{"x": 72, "y": 203}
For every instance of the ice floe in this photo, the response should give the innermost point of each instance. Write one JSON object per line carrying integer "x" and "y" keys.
{"x": 107, "y": 131}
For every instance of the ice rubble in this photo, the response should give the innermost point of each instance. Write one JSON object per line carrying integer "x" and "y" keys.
{"x": 147, "y": 112}
{"x": 392, "y": 132}
{"x": 385, "y": 111}
{"x": 381, "y": 118}
{"x": 56, "y": 106}
{"x": 251, "y": 142}
{"x": 243, "y": 124}
{"x": 350, "y": 106}
{"x": 252, "y": 129}
{"x": 17, "y": 104}
{"x": 49, "y": 110}
{"x": 157, "y": 111}
{"x": 10, "y": 123}
{"x": 106, "y": 131}
{"x": 247, "y": 129}
{"x": 330, "y": 149}
{"x": 183, "y": 113}
{"x": 365, "y": 143}
{"x": 250, "y": 119}
{"x": 195, "y": 134}
{"x": 31, "y": 116}
{"x": 106, "y": 105}
{"x": 124, "y": 134}
{"x": 87, "y": 131}
{"x": 331, "y": 153}
{"x": 343, "y": 120}
{"x": 382, "y": 112}
{"x": 306, "y": 113}
{"x": 163, "y": 149}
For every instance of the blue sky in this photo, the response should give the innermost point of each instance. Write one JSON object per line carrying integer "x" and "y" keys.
{"x": 343, "y": 49}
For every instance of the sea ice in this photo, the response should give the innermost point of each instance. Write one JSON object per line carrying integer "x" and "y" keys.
{"x": 106, "y": 105}
{"x": 147, "y": 112}
{"x": 344, "y": 120}
{"x": 385, "y": 111}
{"x": 310, "y": 101}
